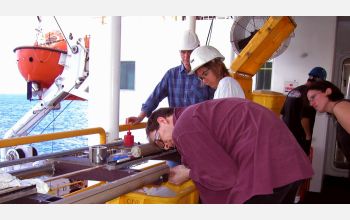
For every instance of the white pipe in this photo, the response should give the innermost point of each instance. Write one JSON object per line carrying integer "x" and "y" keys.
{"x": 192, "y": 23}
{"x": 104, "y": 80}
{"x": 99, "y": 82}
{"x": 233, "y": 54}
{"x": 113, "y": 127}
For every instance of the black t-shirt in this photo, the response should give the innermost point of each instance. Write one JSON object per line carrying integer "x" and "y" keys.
{"x": 296, "y": 107}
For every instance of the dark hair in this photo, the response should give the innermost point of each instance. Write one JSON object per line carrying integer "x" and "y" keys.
{"x": 323, "y": 85}
{"x": 313, "y": 79}
{"x": 218, "y": 65}
{"x": 152, "y": 123}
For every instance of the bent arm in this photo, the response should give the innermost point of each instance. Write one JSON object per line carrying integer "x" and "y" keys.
{"x": 305, "y": 123}
{"x": 342, "y": 112}
{"x": 179, "y": 174}
{"x": 158, "y": 94}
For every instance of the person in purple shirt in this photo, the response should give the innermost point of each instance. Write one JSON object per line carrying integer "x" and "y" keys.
{"x": 181, "y": 88}
{"x": 234, "y": 150}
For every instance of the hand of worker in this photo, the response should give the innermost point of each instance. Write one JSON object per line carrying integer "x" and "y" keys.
{"x": 135, "y": 120}
{"x": 179, "y": 174}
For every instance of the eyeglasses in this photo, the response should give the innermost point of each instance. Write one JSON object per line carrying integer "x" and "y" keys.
{"x": 157, "y": 140}
{"x": 204, "y": 75}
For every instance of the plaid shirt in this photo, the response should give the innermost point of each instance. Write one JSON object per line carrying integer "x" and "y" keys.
{"x": 180, "y": 88}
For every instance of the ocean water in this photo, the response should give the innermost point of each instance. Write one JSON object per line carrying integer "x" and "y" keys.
{"x": 71, "y": 116}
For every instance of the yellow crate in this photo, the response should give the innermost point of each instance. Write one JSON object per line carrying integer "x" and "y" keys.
{"x": 185, "y": 194}
{"x": 270, "y": 99}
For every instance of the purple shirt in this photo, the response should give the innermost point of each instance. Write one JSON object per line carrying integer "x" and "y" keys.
{"x": 236, "y": 149}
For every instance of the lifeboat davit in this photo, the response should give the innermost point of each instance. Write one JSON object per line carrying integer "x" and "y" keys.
{"x": 42, "y": 63}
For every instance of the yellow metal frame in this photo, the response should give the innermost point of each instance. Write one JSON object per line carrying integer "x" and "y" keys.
{"x": 132, "y": 127}
{"x": 246, "y": 83}
{"x": 260, "y": 49}
{"x": 53, "y": 136}
{"x": 66, "y": 134}
{"x": 264, "y": 43}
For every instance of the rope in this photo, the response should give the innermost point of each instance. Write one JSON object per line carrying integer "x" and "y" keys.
{"x": 53, "y": 129}
{"x": 63, "y": 33}
{"x": 209, "y": 33}
{"x": 55, "y": 117}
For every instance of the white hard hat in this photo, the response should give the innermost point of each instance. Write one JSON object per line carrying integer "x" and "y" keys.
{"x": 189, "y": 41}
{"x": 202, "y": 55}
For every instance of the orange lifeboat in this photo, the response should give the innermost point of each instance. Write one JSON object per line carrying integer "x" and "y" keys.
{"x": 42, "y": 63}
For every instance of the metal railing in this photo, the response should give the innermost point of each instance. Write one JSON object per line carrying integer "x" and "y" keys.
{"x": 65, "y": 134}
{"x": 132, "y": 127}
{"x": 53, "y": 136}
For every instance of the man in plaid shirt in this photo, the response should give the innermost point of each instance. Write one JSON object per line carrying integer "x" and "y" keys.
{"x": 181, "y": 88}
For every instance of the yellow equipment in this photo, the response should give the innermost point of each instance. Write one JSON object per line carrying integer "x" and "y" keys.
{"x": 259, "y": 50}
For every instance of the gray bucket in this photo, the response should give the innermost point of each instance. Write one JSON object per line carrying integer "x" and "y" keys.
{"x": 98, "y": 154}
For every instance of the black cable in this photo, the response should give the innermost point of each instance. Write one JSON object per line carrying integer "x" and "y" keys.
{"x": 209, "y": 33}
{"x": 63, "y": 34}
{"x": 56, "y": 117}
{"x": 34, "y": 126}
